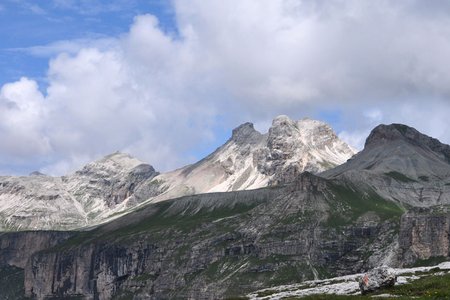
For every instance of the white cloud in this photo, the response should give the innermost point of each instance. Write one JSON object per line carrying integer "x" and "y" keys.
{"x": 355, "y": 138}
{"x": 22, "y": 114}
{"x": 158, "y": 95}
{"x": 67, "y": 46}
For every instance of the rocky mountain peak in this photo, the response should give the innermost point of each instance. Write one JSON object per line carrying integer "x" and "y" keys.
{"x": 306, "y": 128}
{"x": 387, "y": 133}
{"x": 305, "y": 133}
{"x": 245, "y": 133}
{"x": 282, "y": 120}
{"x": 313, "y": 126}
{"x": 316, "y": 133}
{"x": 282, "y": 126}
{"x": 115, "y": 162}
{"x": 121, "y": 159}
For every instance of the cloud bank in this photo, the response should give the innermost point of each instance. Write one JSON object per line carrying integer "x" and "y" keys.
{"x": 159, "y": 95}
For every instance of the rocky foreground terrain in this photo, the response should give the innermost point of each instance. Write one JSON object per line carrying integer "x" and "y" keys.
{"x": 348, "y": 286}
{"x": 387, "y": 205}
{"x": 118, "y": 183}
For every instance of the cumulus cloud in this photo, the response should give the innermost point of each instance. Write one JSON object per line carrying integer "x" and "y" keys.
{"x": 21, "y": 113}
{"x": 158, "y": 94}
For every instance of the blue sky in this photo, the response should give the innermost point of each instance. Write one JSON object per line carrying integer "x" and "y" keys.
{"x": 28, "y": 24}
{"x": 167, "y": 81}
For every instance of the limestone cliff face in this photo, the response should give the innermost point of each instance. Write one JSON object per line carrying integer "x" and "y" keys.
{"x": 217, "y": 245}
{"x": 424, "y": 234}
{"x": 17, "y": 247}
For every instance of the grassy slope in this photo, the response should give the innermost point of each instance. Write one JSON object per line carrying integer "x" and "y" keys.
{"x": 429, "y": 287}
{"x": 349, "y": 203}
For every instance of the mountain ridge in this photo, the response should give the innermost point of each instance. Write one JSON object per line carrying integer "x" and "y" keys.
{"x": 118, "y": 183}
{"x": 362, "y": 214}
{"x": 250, "y": 160}
{"x": 402, "y": 165}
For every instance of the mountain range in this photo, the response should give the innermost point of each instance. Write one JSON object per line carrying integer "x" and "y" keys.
{"x": 306, "y": 209}
{"x": 118, "y": 183}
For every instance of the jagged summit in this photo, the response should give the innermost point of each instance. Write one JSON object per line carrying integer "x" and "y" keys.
{"x": 283, "y": 121}
{"x": 250, "y": 160}
{"x": 245, "y": 133}
{"x": 308, "y": 130}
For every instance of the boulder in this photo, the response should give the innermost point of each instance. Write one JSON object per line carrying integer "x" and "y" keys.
{"x": 376, "y": 279}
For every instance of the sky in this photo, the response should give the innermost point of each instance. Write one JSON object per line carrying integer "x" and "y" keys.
{"x": 167, "y": 81}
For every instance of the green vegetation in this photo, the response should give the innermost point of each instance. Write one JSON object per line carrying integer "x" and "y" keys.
{"x": 399, "y": 176}
{"x": 74, "y": 241}
{"x": 305, "y": 217}
{"x": 432, "y": 261}
{"x": 185, "y": 222}
{"x": 145, "y": 277}
{"x": 429, "y": 287}
{"x": 348, "y": 204}
{"x": 124, "y": 295}
{"x": 161, "y": 220}
{"x": 328, "y": 297}
{"x": 271, "y": 271}
{"x": 434, "y": 287}
{"x": 289, "y": 273}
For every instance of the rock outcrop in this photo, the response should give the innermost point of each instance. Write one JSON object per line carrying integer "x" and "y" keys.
{"x": 347, "y": 285}
{"x": 376, "y": 279}
{"x": 17, "y": 247}
{"x": 424, "y": 234}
